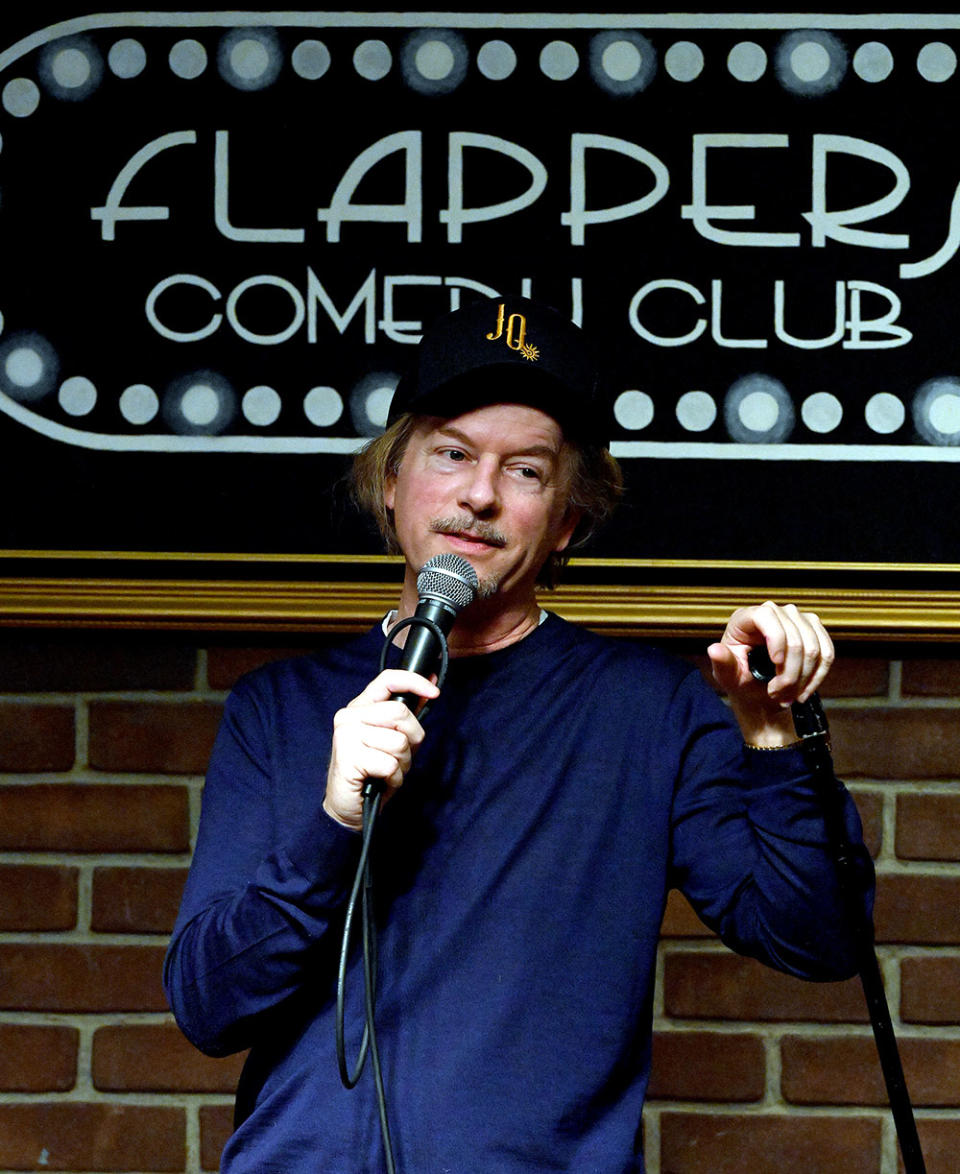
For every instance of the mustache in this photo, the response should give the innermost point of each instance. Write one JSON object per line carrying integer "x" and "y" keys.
{"x": 473, "y": 527}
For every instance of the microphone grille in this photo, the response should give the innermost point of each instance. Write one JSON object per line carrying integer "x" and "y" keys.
{"x": 450, "y": 578}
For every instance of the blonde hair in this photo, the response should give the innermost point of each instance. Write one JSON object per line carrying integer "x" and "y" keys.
{"x": 595, "y": 485}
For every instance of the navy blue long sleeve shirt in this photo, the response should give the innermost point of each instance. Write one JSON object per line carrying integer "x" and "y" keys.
{"x": 565, "y": 784}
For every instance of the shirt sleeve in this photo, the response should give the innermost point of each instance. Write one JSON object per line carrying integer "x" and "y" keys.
{"x": 751, "y": 848}
{"x": 254, "y": 912}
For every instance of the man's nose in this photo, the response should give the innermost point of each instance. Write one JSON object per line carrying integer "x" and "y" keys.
{"x": 480, "y": 489}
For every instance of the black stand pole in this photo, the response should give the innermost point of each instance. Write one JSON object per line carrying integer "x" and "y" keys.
{"x": 810, "y": 722}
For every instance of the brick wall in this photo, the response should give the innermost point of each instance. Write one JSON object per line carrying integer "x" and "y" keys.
{"x": 103, "y": 743}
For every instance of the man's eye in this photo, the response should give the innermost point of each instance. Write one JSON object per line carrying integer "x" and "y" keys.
{"x": 529, "y": 473}
{"x": 454, "y": 454}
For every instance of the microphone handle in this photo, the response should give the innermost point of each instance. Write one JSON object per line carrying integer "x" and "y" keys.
{"x": 422, "y": 651}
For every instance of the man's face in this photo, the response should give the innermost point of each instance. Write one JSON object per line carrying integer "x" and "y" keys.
{"x": 490, "y": 485}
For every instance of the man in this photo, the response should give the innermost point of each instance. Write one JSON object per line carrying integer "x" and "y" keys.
{"x": 529, "y": 833}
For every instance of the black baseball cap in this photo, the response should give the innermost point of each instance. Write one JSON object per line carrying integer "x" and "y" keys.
{"x": 506, "y": 350}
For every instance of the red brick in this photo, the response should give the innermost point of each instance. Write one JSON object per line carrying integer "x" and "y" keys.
{"x": 896, "y": 743}
{"x": 919, "y": 909}
{"x": 36, "y": 738}
{"x": 77, "y": 1136}
{"x": 136, "y": 900}
{"x": 707, "y": 1066}
{"x": 930, "y": 990}
{"x": 35, "y": 898}
{"x": 155, "y": 737}
{"x": 157, "y": 1058}
{"x": 92, "y": 817}
{"x": 853, "y": 676}
{"x": 51, "y": 977}
{"x": 726, "y": 986}
{"x": 930, "y": 678}
{"x": 699, "y": 1143}
{"x": 87, "y": 662}
{"x": 680, "y": 920}
{"x": 940, "y": 1144}
{"x": 848, "y": 1072}
{"x": 928, "y": 827}
{"x": 225, "y": 666}
{"x": 870, "y": 807}
{"x": 216, "y": 1126}
{"x": 37, "y": 1059}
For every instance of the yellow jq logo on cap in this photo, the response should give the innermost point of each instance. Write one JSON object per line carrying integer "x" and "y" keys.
{"x": 515, "y": 337}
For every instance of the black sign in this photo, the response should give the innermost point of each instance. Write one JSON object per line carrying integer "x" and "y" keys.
{"x": 222, "y": 234}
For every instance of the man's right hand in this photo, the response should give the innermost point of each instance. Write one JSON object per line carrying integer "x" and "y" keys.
{"x": 374, "y": 737}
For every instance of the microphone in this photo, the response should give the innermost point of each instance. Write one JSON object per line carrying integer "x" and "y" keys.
{"x": 446, "y": 584}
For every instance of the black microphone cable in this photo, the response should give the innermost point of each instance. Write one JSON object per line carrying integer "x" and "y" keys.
{"x": 447, "y": 583}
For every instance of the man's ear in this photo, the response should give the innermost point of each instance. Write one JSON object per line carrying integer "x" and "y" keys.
{"x": 390, "y": 490}
{"x": 569, "y": 523}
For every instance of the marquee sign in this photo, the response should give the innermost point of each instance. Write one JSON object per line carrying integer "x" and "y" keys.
{"x": 222, "y": 234}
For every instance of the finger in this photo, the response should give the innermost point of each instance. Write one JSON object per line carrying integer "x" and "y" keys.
{"x": 807, "y": 654}
{"x": 392, "y": 681}
{"x": 824, "y": 657}
{"x": 388, "y": 716}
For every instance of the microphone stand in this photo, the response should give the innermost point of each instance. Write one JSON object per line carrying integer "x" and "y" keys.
{"x": 812, "y": 728}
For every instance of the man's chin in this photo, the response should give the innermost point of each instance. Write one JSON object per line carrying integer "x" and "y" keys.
{"x": 489, "y": 586}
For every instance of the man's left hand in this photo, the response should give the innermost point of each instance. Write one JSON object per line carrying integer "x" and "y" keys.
{"x": 802, "y": 653}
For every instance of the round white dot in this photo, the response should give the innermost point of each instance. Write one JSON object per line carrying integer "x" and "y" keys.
{"x": 821, "y": 412}
{"x": 127, "y": 58}
{"x": 377, "y": 405}
{"x": 261, "y": 406}
{"x": 633, "y": 410}
{"x": 684, "y": 61}
{"x": 322, "y": 406}
{"x": 873, "y": 62}
{"x": 810, "y": 61}
{"x": 696, "y": 411}
{"x": 77, "y": 396}
{"x": 310, "y": 60}
{"x": 139, "y": 404}
{"x": 936, "y": 62}
{"x": 200, "y": 405}
{"x": 496, "y": 60}
{"x": 24, "y": 367}
{"x": 249, "y": 59}
{"x": 71, "y": 68}
{"x": 621, "y": 61}
{"x": 188, "y": 59}
{"x": 747, "y": 61}
{"x": 884, "y": 413}
{"x": 434, "y": 60}
{"x": 559, "y": 61}
{"x": 944, "y": 413}
{"x": 21, "y": 97}
{"x": 373, "y": 60}
{"x": 759, "y": 411}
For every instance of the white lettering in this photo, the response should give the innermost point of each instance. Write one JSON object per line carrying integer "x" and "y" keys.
{"x": 299, "y": 310}
{"x": 578, "y": 216}
{"x": 660, "y": 340}
{"x": 885, "y": 325}
{"x": 701, "y": 212}
{"x": 175, "y": 335}
{"x": 833, "y": 225}
{"x": 456, "y": 215}
{"x": 221, "y": 203}
{"x": 410, "y": 212}
{"x": 112, "y": 211}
